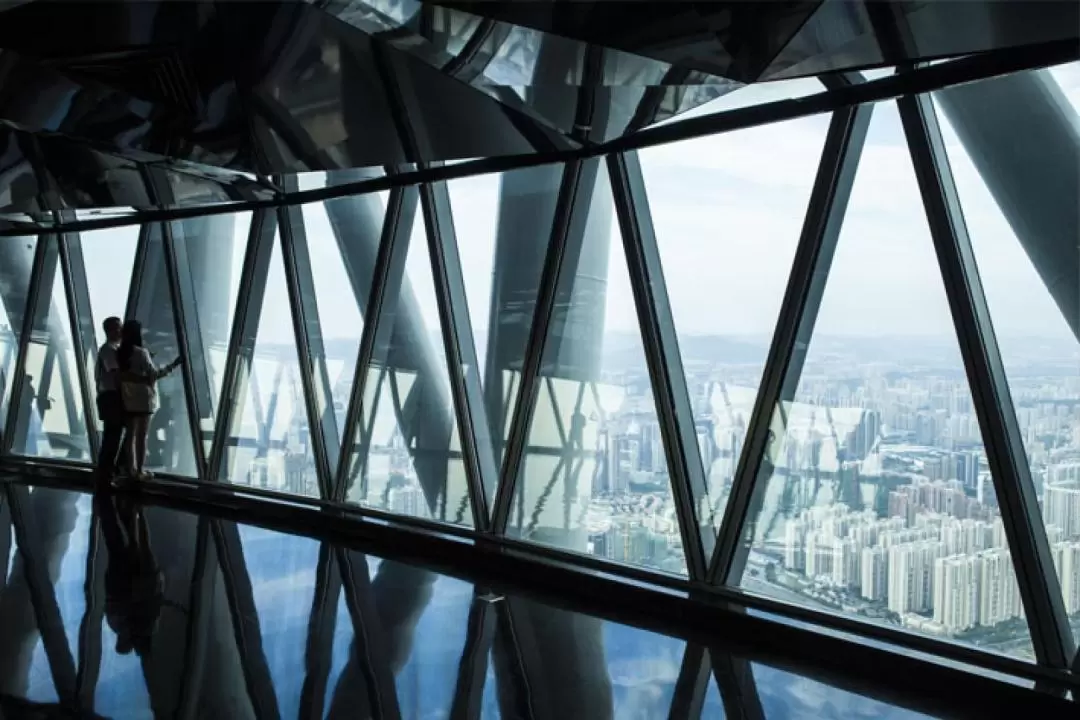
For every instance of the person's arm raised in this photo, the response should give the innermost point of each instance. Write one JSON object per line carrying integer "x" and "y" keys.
{"x": 163, "y": 371}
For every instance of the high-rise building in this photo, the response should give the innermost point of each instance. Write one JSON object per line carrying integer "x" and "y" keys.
{"x": 845, "y": 563}
{"x": 999, "y": 594}
{"x": 819, "y": 554}
{"x": 1061, "y": 506}
{"x": 874, "y": 573}
{"x": 911, "y": 576}
{"x": 795, "y": 545}
{"x": 966, "y": 469}
{"x": 863, "y": 437}
{"x": 1067, "y": 563}
{"x": 956, "y": 592}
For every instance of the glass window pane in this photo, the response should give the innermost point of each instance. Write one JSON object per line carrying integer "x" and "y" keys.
{"x": 1019, "y": 204}
{"x": 17, "y": 262}
{"x": 282, "y": 570}
{"x": 407, "y": 453}
{"x": 169, "y": 443}
{"x": 50, "y": 421}
{"x": 503, "y": 227}
{"x": 728, "y": 211}
{"x": 211, "y": 251}
{"x": 342, "y": 264}
{"x": 594, "y": 476}
{"x": 269, "y": 445}
{"x": 109, "y": 256}
{"x": 877, "y": 500}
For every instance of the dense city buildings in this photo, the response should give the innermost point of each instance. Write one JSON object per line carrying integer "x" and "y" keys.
{"x": 880, "y": 500}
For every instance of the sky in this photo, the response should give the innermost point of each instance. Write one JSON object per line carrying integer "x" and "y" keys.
{"x": 727, "y": 212}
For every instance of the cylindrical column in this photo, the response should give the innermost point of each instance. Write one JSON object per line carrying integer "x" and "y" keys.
{"x": 1023, "y": 136}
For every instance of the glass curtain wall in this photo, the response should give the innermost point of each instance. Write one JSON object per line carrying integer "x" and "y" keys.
{"x": 824, "y": 424}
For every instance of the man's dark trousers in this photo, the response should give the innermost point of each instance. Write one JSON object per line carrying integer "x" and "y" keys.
{"x": 111, "y": 411}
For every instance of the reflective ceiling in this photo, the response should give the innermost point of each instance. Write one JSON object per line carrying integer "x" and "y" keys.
{"x": 211, "y": 94}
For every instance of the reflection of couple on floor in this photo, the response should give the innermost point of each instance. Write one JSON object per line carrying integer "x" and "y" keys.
{"x": 134, "y": 584}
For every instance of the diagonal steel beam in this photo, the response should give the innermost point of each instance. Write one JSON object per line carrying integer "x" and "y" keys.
{"x": 320, "y": 638}
{"x": 38, "y": 304}
{"x": 1029, "y": 546}
{"x": 795, "y": 325}
{"x": 472, "y": 670}
{"x": 73, "y": 272}
{"x": 138, "y": 271}
{"x": 42, "y": 593}
{"x": 325, "y": 437}
{"x": 239, "y": 357}
{"x": 459, "y": 346}
{"x": 568, "y": 226}
{"x": 369, "y": 643}
{"x": 380, "y": 315}
{"x": 691, "y": 686}
{"x": 474, "y": 429}
{"x": 738, "y": 688}
{"x": 515, "y": 658}
{"x": 89, "y": 667}
{"x": 193, "y": 370}
{"x": 200, "y": 609}
{"x": 162, "y": 236}
{"x": 83, "y": 335}
{"x": 245, "y": 617}
{"x": 689, "y": 485}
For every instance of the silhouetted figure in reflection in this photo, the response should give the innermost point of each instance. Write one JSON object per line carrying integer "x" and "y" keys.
{"x": 134, "y": 584}
{"x": 577, "y": 430}
{"x": 26, "y": 429}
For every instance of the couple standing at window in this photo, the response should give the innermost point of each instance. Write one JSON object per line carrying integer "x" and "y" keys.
{"x": 126, "y": 378}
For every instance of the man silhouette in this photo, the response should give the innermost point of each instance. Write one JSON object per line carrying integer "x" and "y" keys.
{"x": 109, "y": 404}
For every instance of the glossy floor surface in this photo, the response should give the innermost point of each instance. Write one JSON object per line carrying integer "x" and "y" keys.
{"x": 137, "y": 611}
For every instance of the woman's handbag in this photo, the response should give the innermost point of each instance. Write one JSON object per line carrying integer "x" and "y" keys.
{"x": 138, "y": 397}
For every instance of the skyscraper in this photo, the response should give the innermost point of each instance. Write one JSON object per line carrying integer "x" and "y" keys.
{"x": 1067, "y": 563}
{"x": 1062, "y": 506}
{"x": 911, "y": 576}
{"x": 956, "y": 592}
{"x": 999, "y": 598}
{"x": 874, "y": 570}
{"x": 845, "y": 563}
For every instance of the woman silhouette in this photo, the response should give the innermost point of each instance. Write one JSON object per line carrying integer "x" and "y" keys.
{"x": 138, "y": 389}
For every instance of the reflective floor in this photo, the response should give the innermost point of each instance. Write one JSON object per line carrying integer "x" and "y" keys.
{"x": 136, "y": 611}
